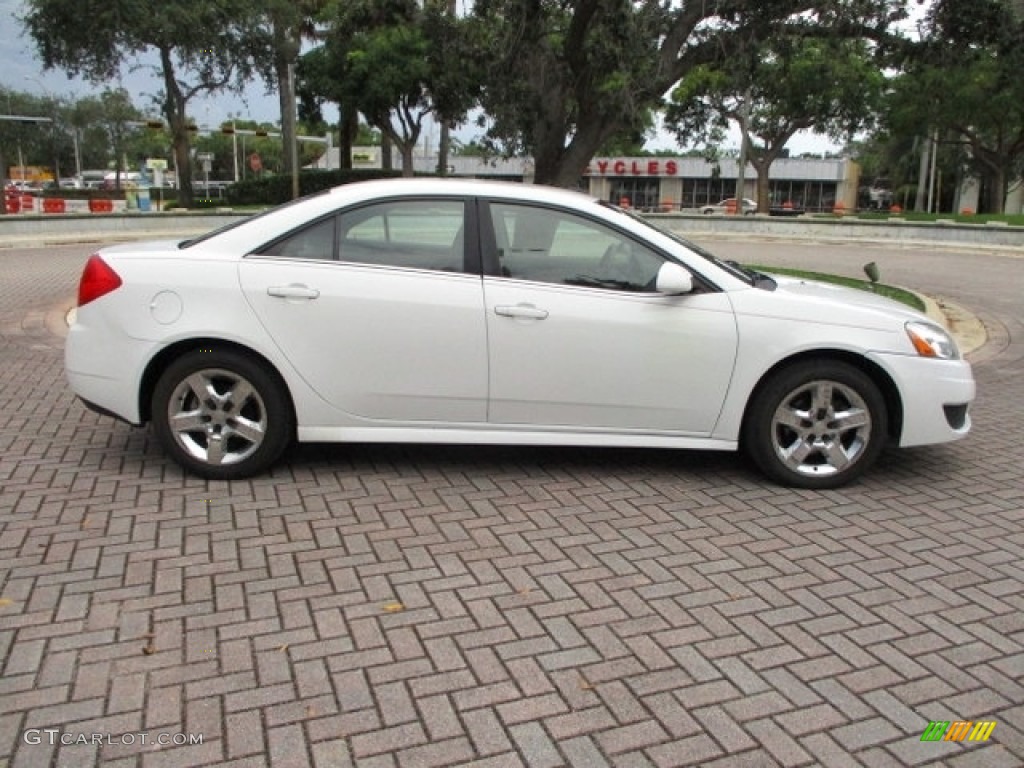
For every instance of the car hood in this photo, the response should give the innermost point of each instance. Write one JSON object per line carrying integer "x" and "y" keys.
{"x": 842, "y": 295}
{"x": 823, "y": 304}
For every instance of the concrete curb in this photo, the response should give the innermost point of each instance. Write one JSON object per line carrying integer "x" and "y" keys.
{"x": 965, "y": 327}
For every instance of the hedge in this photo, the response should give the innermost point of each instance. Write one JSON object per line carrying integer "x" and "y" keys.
{"x": 277, "y": 189}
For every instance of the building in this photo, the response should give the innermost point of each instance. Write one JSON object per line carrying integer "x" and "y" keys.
{"x": 679, "y": 183}
{"x": 660, "y": 183}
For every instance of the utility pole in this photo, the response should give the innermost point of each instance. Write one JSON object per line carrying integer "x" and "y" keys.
{"x": 293, "y": 144}
{"x": 53, "y": 122}
{"x": 444, "y": 144}
{"x": 741, "y": 170}
{"x": 922, "y": 173}
{"x": 931, "y": 174}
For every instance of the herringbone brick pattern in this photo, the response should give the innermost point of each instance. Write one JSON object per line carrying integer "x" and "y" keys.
{"x": 425, "y": 606}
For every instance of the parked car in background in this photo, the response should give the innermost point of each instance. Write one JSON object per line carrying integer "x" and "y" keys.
{"x": 455, "y": 311}
{"x": 729, "y": 206}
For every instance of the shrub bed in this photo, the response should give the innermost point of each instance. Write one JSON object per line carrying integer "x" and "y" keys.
{"x": 277, "y": 189}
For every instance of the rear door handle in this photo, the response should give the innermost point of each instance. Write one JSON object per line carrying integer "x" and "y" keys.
{"x": 521, "y": 310}
{"x": 293, "y": 291}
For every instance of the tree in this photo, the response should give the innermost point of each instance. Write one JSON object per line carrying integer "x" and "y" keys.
{"x": 36, "y": 137}
{"x": 397, "y": 63}
{"x": 828, "y": 85}
{"x": 117, "y": 116}
{"x": 210, "y": 40}
{"x": 562, "y": 78}
{"x": 14, "y": 134}
{"x": 963, "y": 81}
{"x": 276, "y": 51}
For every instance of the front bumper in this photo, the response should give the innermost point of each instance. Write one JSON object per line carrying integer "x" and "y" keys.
{"x": 936, "y": 396}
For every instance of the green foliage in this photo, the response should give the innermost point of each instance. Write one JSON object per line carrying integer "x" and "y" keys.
{"x": 277, "y": 189}
{"x": 829, "y": 85}
{"x": 209, "y": 40}
{"x": 396, "y": 62}
{"x": 561, "y": 79}
{"x": 270, "y": 149}
{"x": 964, "y": 81}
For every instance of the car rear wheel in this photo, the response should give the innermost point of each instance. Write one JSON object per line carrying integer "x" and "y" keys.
{"x": 221, "y": 415}
{"x": 817, "y": 424}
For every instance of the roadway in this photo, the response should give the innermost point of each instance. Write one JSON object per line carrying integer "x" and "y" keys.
{"x": 418, "y": 606}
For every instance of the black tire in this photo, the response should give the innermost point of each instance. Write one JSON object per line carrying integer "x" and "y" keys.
{"x": 213, "y": 435}
{"x": 794, "y": 436}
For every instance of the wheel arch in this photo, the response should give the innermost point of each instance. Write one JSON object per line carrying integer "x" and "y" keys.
{"x": 878, "y": 375}
{"x": 169, "y": 354}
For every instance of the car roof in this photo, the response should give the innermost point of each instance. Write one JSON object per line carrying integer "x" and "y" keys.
{"x": 252, "y": 233}
{"x": 460, "y": 187}
{"x": 258, "y": 230}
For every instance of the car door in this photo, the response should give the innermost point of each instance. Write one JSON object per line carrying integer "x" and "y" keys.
{"x": 376, "y": 309}
{"x": 580, "y": 339}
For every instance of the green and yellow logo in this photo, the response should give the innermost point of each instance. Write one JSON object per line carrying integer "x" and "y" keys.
{"x": 960, "y": 730}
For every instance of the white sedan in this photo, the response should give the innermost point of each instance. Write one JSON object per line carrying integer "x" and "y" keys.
{"x": 729, "y": 206}
{"x": 450, "y": 311}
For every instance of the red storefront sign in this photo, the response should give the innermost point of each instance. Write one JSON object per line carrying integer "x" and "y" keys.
{"x": 632, "y": 167}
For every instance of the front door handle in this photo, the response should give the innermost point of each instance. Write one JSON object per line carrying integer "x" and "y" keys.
{"x": 293, "y": 291}
{"x": 521, "y": 310}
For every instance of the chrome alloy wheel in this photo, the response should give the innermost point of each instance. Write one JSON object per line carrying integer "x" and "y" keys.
{"x": 217, "y": 416}
{"x": 821, "y": 428}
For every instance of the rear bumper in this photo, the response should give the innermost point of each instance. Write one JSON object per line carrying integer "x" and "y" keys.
{"x": 106, "y": 376}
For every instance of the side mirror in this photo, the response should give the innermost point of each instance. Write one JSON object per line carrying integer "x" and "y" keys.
{"x": 673, "y": 280}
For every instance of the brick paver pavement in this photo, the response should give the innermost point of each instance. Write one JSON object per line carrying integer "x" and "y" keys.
{"x": 425, "y": 606}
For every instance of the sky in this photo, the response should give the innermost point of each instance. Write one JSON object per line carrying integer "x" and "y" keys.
{"x": 24, "y": 71}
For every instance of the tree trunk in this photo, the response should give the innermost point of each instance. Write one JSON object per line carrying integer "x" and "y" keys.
{"x": 560, "y": 166}
{"x": 920, "y": 199}
{"x": 764, "y": 189}
{"x": 385, "y": 152}
{"x": 183, "y": 162}
{"x": 996, "y": 194}
{"x": 174, "y": 110}
{"x": 407, "y": 148}
{"x": 348, "y": 129}
{"x": 442, "y": 150}
{"x": 287, "y": 47}
{"x": 118, "y": 168}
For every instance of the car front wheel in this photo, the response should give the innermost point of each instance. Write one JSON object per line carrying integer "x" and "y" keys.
{"x": 221, "y": 415}
{"x": 817, "y": 424}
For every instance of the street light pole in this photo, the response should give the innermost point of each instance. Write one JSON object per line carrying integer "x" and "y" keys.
{"x": 56, "y": 150}
{"x": 21, "y": 160}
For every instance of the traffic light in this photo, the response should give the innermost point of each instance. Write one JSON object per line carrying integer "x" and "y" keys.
{"x": 192, "y": 128}
{"x": 261, "y": 132}
{"x": 155, "y": 124}
{"x": 227, "y": 129}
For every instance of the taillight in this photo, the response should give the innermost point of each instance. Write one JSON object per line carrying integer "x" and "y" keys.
{"x": 98, "y": 279}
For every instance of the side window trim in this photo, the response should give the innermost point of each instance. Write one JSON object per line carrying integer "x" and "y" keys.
{"x": 492, "y": 259}
{"x": 472, "y": 251}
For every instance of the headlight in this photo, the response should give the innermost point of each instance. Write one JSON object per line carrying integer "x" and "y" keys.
{"x": 931, "y": 341}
